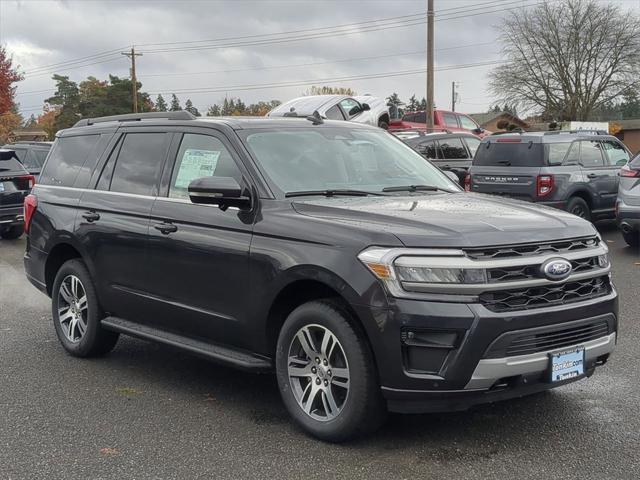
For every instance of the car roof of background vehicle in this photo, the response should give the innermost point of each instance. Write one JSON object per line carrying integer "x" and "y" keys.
{"x": 186, "y": 119}
{"x": 558, "y": 136}
{"x": 306, "y": 105}
{"x": 439, "y": 136}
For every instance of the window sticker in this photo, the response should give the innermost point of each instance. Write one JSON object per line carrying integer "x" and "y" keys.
{"x": 196, "y": 164}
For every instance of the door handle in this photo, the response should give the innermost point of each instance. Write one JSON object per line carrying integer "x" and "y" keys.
{"x": 593, "y": 175}
{"x": 166, "y": 228}
{"x": 91, "y": 216}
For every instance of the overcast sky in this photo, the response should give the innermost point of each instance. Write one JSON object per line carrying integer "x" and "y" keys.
{"x": 41, "y": 33}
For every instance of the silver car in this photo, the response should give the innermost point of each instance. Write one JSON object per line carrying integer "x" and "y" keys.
{"x": 362, "y": 109}
{"x": 628, "y": 205}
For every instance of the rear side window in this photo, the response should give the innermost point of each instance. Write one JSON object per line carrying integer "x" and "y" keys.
{"x": 139, "y": 163}
{"x": 21, "y": 153}
{"x": 524, "y": 154}
{"x": 556, "y": 152}
{"x": 420, "y": 117}
{"x": 428, "y": 149}
{"x": 453, "y": 148}
{"x": 67, "y": 157}
{"x": 591, "y": 154}
{"x": 450, "y": 120}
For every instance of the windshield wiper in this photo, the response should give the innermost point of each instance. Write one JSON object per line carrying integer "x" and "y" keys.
{"x": 415, "y": 188}
{"x": 331, "y": 193}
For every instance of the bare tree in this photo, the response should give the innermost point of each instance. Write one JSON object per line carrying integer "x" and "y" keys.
{"x": 566, "y": 59}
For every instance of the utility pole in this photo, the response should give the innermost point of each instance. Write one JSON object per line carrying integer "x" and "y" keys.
{"x": 134, "y": 82}
{"x": 454, "y": 96}
{"x": 429, "y": 64}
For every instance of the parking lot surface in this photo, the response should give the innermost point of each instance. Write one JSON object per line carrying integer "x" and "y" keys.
{"x": 148, "y": 411}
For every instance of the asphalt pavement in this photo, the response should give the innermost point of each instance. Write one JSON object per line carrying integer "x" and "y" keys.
{"x": 148, "y": 411}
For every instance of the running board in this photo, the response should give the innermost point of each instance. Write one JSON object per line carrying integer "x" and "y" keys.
{"x": 236, "y": 358}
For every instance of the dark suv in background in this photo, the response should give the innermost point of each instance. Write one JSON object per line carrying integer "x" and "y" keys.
{"x": 327, "y": 251}
{"x": 31, "y": 154}
{"x": 447, "y": 150}
{"x": 575, "y": 171}
{"x": 15, "y": 184}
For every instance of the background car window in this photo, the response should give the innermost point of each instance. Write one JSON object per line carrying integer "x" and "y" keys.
{"x": 635, "y": 161}
{"x": 591, "y": 154}
{"x": 615, "y": 153}
{"x": 21, "y": 153}
{"x": 450, "y": 119}
{"x": 466, "y": 122}
{"x": 68, "y": 155}
{"x": 428, "y": 149}
{"x": 453, "y": 148}
{"x": 334, "y": 113}
{"x": 557, "y": 151}
{"x": 35, "y": 158}
{"x": 351, "y": 107}
{"x": 573, "y": 157}
{"x": 473, "y": 144}
{"x": 139, "y": 163}
{"x": 200, "y": 156}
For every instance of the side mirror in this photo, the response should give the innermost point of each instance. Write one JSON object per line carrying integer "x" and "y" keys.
{"x": 6, "y": 154}
{"x": 222, "y": 191}
{"x": 365, "y": 107}
{"x": 478, "y": 130}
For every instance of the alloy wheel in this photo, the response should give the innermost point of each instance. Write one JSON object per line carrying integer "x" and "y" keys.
{"x": 579, "y": 211}
{"x": 72, "y": 308}
{"x": 318, "y": 372}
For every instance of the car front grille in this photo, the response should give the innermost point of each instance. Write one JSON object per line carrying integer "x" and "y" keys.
{"x": 527, "y": 250}
{"x": 545, "y": 295}
{"x": 524, "y": 343}
{"x": 529, "y": 272}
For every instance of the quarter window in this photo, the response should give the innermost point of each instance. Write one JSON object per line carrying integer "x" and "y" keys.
{"x": 139, "y": 164}
{"x": 616, "y": 153}
{"x": 557, "y": 151}
{"x": 67, "y": 157}
{"x": 635, "y": 161}
{"x": 200, "y": 156}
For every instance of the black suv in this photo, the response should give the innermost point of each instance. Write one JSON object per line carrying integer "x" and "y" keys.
{"x": 576, "y": 171}
{"x": 31, "y": 154}
{"x": 327, "y": 251}
{"x": 447, "y": 150}
{"x": 15, "y": 185}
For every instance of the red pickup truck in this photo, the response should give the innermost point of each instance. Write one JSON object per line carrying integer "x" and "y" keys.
{"x": 442, "y": 120}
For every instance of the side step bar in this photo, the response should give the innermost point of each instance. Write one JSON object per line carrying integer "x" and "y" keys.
{"x": 236, "y": 358}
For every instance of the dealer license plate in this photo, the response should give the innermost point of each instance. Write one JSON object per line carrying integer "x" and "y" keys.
{"x": 567, "y": 364}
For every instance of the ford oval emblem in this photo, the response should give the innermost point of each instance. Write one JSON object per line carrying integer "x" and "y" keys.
{"x": 556, "y": 269}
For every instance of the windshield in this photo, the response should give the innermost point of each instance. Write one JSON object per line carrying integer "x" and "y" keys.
{"x": 334, "y": 158}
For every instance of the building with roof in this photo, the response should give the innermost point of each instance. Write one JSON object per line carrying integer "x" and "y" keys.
{"x": 490, "y": 120}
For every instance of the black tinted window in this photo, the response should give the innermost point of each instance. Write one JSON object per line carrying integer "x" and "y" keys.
{"x": 496, "y": 153}
{"x": 139, "y": 164}
{"x": 334, "y": 113}
{"x": 67, "y": 156}
{"x": 591, "y": 154}
{"x": 453, "y": 148}
{"x": 420, "y": 117}
{"x": 428, "y": 149}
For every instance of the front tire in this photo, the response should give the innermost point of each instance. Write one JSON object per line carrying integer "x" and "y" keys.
{"x": 579, "y": 207}
{"x": 12, "y": 233}
{"x": 326, "y": 373}
{"x": 77, "y": 313}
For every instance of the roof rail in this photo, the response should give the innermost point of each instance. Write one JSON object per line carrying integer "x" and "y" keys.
{"x": 136, "y": 117}
{"x": 578, "y": 132}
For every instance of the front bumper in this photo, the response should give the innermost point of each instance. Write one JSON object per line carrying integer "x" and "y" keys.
{"x": 628, "y": 217}
{"x": 472, "y": 372}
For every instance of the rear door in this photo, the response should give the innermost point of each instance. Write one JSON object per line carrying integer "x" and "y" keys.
{"x": 508, "y": 167}
{"x": 113, "y": 218}
{"x": 199, "y": 254}
{"x": 601, "y": 177}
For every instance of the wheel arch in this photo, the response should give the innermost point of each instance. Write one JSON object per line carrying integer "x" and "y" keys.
{"x": 583, "y": 194}
{"x": 64, "y": 250}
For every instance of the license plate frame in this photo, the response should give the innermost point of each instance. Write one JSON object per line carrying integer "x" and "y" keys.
{"x": 566, "y": 364}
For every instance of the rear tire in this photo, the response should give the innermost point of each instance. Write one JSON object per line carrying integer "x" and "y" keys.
{"x": 579, "y": 207}
{"x": 77, "y": 313}
{"x": 384, "y": 125}
{"x": 632, "y": 238}
{"x": 323, "y": 359}
{"x": 12, "y": 233}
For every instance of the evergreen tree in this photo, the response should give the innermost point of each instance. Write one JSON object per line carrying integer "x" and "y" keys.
{"x": 423, "y": 104}
{"x": 413, "y": 104}
{"x": 175, "y": 103}
{"x": 161, "y": 105}
{"x": 188, "y": 106}
{"x": 32, "y": 122}
{"x": 214, "y": 111}
{"x": 394, "y": 99}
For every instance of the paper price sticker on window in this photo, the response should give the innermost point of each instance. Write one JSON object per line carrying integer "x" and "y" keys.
{"x": 196, "y": 164}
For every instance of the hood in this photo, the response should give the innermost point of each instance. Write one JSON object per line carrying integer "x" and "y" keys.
{"x": 450, "y": 219}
